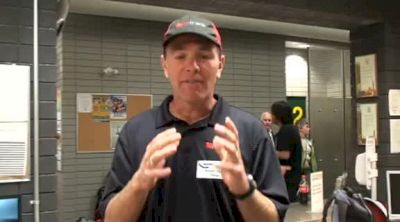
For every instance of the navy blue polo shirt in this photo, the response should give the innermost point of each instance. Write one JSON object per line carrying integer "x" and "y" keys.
{"x": 182, "y": 197}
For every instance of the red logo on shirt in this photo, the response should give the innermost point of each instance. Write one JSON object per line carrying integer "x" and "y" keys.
{"x": 209, "y": 145}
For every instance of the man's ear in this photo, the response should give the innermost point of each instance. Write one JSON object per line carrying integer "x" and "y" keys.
{"x": 221, "y": 66}
{"x": 164, "y": 66}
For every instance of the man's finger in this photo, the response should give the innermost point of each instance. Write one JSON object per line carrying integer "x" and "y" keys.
{"x": 233, "y": 168}
{"x": 164, "y": 153}
{"x": 165, "y": 132}
{"x": 225, "y": 132}
{"x": 229, "y": 146}
{"x": 231, "y": 125}
{"x": 158, "y": 172}
{"x": 227, "y": 149}
{"x": 218, "y": 148}
{"x": 162, "y": 140}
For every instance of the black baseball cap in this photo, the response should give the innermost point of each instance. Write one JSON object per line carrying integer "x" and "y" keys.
{"x": 190, "y": 24}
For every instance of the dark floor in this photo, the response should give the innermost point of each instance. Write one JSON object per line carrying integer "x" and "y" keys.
{"x": 302, "y": 213}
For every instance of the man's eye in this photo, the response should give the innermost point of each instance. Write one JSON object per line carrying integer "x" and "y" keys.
{"x": 205, "y": 56}
{"x": 180, "y": 56}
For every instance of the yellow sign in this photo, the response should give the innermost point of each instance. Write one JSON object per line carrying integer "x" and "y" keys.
{"x": 298, "y": 114}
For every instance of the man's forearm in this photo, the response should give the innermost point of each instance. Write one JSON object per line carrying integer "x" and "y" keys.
{"x": 258, "y": 208}
{"x": 127, "y": 205}
{"x": 283, "y": 155}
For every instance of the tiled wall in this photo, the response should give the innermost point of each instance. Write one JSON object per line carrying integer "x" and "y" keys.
{"x": 16, "y": 37}
{"x": 253, "y": 78}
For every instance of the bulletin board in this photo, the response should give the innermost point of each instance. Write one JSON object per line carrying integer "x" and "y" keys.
{"x": 100, "y": 117}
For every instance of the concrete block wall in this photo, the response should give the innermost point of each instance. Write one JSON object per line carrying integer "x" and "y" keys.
{"x": 253, "y": 78}
{"x": 16, "y": 46}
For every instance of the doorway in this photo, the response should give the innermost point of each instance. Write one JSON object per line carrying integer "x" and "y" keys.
{"x": 325, "y": 86}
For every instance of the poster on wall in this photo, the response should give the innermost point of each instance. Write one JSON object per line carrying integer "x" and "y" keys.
{"x": 367, "y": 122}
{"x": 366, "y": 74}
{"x": 118, "y": 107}
{"x": 100, "y": 110}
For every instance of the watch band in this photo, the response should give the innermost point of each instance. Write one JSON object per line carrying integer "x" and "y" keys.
{"x": 252, "y": 188}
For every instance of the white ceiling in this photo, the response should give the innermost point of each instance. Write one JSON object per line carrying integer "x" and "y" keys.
{"x": 156, "y": 13}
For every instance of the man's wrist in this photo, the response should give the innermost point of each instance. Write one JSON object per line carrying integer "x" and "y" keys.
{"x": 249, "y": 192}
{"x": 137, "y": 185}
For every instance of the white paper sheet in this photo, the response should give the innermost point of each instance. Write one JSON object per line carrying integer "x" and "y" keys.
{"x": 14, "y": 93}
{"x": 317, "y": 191}
{"x": 394, "y": 102}
{"x": 368, "y": 120}
{"x": 13, "y": 149}
{"x": 395, "y": 136}
{"x": 115, "y": 130}
{"x": 84, "y": 102}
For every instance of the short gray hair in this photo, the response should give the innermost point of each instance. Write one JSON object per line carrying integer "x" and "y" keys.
{"x": 262, "y": 115}
{"x": 302, "y": 122}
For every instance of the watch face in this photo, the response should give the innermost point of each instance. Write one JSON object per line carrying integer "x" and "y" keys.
{"x": 252, "y": 182}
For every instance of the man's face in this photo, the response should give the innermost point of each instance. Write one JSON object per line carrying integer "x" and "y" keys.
{"x": 305, "y": 130}
{"x": 267, "y": 120}
{"x": 193, "y": 65}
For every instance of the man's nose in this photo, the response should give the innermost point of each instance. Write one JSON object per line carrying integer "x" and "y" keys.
{"x": 192, "y": 66}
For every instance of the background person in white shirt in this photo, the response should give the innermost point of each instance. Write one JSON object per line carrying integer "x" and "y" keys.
{"x": 266, "y": 120}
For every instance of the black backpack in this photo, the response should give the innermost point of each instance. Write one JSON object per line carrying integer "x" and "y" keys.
{"x": 347, "y": 206}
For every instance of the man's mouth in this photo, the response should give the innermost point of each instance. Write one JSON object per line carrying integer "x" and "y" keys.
{"x": 192, "y": 81}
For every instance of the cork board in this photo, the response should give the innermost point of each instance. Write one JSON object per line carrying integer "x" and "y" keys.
{"x": 100, "y": 117}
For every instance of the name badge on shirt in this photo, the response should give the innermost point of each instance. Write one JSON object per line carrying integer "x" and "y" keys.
{"x": 207, "y": 169}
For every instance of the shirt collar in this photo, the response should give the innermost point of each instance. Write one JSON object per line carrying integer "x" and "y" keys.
{"x": 217, "y": 115}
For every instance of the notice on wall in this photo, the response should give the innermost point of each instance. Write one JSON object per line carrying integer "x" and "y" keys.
{"x": 367, "y": 122}
{"x": 394, "y": 102}
{"x": 13, "y": 149}
{"x": 14, "y": 123}
{"x": 116, "y": 127}
{"x": 14, "y": 93}
{"x": 395, "y": 136}
{"x": 84, "y": 102}
{"x": 317, "y": 191}
{"x": 366, "y": 72}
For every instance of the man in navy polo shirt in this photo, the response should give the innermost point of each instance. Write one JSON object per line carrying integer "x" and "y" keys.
{"x": 195, "y": 157}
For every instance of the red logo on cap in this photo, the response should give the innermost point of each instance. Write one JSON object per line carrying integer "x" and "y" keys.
{"x": 181, "y": 24}
{"x": 217, "y": 35}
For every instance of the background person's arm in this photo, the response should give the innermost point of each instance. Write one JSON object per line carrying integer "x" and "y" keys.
{"x": 283, "y": 155}
{"x": 285, "y": 169}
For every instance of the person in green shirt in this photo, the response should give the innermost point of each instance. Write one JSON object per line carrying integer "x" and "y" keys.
{"x": 309, "y": 159}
